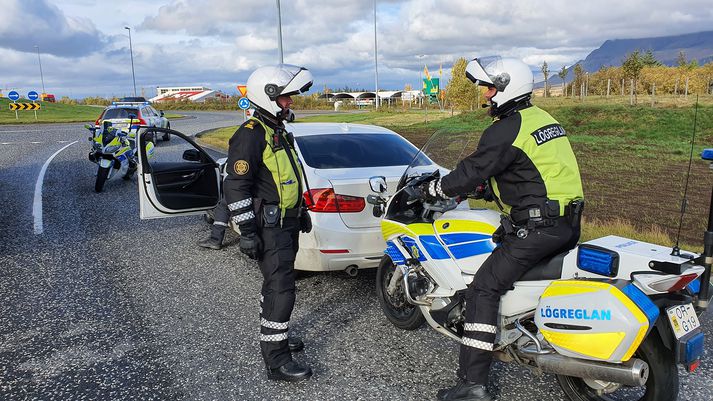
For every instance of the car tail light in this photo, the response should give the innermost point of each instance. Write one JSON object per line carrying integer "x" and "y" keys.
{"x": 98, "y": 120}
{"x": 673, "y": 284}
{"x": 326, "y": 201}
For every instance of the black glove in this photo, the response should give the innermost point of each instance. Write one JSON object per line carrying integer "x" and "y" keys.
{"x": 305, "y": 221}
{"x": 251, "y": 245}
{"x": 431, "y": 191}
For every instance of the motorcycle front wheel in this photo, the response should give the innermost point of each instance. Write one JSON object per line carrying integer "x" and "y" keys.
{"x": 102, "y": 175}
{"x": 662, "y": 384}
{"x": 396, "y": 308}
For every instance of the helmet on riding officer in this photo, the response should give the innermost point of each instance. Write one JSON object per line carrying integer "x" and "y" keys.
{"x": 267, "y": 83}
{"x": 512, "y": 79}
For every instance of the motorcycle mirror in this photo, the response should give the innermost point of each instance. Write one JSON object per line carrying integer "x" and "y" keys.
{"x": 132, "y": 116}
{"x": 192, "y": 155}
{"x": 161, "y": 113}
{"x": 378, "y": 184}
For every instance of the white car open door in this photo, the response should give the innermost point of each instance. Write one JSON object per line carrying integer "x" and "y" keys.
{"x": 175, "y": 179}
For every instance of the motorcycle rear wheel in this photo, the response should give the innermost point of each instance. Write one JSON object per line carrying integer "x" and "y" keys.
{"x": 396, "y": 308}
{"x": 102, "y": 175}
{"x": 662, "y": 384}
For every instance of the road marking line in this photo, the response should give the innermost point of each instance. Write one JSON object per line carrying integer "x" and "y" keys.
{"x": 35, "y": 142}
{"x": 37, "y": 202}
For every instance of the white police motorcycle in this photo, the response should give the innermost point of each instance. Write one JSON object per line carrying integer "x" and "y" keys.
{"x": 611, "y": 318}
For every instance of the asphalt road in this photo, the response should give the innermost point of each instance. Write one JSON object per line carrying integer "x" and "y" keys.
{"x": 102, "y": 305}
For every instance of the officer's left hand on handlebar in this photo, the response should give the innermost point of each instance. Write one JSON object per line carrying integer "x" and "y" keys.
{"x": 431, "y": 191}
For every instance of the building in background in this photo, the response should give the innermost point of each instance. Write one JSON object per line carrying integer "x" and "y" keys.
{"x": 198, "y": 94}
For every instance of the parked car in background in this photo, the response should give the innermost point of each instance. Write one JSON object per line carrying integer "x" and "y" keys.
{"x": 144, "y": 115}
{"x": 338, "y": 161}
{"x": 47, "y": 97}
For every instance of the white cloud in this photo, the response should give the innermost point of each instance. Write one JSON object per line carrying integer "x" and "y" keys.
{"x": 221, "y": 41}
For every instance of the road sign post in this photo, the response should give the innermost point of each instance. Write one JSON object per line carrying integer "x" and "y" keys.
{"x": 243, "y": 89}
{"x": 244, "y": 104}
{"x": 32, "y": 95}
{"x": 13, "y": 95}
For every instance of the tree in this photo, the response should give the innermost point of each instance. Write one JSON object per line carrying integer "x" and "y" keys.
{"x": 563, "y": 75}
{"x": 648, "y": 59}
{"x": 460, "y": 91}
{"x": 632, "y": 66}
{"x": 578, "y": 78}
{"x": 546, "y": 72}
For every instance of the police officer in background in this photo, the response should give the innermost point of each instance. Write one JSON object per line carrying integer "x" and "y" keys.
{"x": 263, "y": 190}
{"x": 530, "y": 167}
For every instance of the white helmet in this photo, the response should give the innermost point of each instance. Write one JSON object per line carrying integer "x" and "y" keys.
{"x": 267, "y": 83}
{"x": 512, "y": 78}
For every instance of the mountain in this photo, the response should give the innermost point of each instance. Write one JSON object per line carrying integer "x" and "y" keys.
{"x": 696, "y": 46}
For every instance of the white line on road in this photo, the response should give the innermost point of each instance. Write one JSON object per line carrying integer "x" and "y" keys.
{"x": 37, "y": 203}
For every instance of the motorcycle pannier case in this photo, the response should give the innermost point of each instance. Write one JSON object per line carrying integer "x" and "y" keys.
{"x": 598, "y": 320}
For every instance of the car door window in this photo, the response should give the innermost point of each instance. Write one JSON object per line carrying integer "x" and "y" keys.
{"x": 180, "y": 169}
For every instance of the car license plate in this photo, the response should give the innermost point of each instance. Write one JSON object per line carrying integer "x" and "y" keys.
{"x": 683, "y": 319}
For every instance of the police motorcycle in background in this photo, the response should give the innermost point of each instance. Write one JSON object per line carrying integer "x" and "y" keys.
{"x": 611, "y": 318}
{"x": 114, "y": 152}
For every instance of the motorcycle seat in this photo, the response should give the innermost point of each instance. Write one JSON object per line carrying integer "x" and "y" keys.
{"x": 547, "y": 269}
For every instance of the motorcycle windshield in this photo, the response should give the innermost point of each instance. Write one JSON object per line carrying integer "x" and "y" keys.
{"x": 443, "y": 150}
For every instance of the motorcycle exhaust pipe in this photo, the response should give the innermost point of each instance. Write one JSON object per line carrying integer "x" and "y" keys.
{"x": 633, "y": 372}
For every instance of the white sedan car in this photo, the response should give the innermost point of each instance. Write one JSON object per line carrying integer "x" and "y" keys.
{"x": 338, "y": 161}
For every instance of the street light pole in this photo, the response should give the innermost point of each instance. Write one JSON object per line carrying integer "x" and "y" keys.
{"x": 131, "y": 50}
{"x": 376, "y": 61}
{"x": 279, "y": 32}
{"x": 40, "y": 62}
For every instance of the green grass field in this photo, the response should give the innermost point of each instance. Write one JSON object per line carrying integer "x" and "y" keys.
{"x": 633, "y": 159}
{"x": 53, "y": 113}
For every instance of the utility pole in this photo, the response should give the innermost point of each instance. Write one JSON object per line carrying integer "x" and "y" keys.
{"x": 279, "y": 32}
{"x": 40, "y": 62}
{"x": 131, "y": 50}
{"x": 376, "y": 61}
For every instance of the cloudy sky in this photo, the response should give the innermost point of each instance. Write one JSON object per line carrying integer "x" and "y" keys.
{"x": 84, "y": 47}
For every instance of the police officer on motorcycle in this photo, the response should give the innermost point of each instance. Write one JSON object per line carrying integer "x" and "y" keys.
{"x": 263, "y": 191}
{"x": 527, "y": 162}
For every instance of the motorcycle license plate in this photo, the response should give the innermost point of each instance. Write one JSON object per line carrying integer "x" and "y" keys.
{"x": 683, "y": 319}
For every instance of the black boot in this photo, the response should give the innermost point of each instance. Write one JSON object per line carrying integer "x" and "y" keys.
{"x": 210, "y": 243}
{"x": 295, "y": 344}
{"x": 292, "y": 371}
{"x": 464, "y": 391}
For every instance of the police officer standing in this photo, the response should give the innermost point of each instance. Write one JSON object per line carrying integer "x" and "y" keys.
{"x": 530, "y": 167}
{"x": 263, "y": 191}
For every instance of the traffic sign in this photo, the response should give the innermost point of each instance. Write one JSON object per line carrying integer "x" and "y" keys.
{"x": 32, "y": 95}
{"x": 13, "y": 95}
{"x": 244, "y": 103}
{"x": 243, "y": 90}
{"x": 24, "y": 106}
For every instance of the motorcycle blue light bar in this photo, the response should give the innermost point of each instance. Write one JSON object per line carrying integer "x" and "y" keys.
{"x": 643, "y": 302}
{"x": 707, "y": 154}
{"x": 694, "y": 347}
{"x": 597, "y": 260}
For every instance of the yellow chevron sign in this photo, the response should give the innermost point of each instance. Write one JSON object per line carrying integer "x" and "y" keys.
{"x": 24, "y": 106}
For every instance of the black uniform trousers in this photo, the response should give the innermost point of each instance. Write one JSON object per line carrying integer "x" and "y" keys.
{"x": 277, "y": 262}
{"x": 496, "y": 276}
{"x": 221, "y": 215}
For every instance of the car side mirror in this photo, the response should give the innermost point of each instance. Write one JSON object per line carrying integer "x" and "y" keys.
{"x": 378, "y": 184}
{"x": 160, "y": 113}
{"x": 192, "y": 155}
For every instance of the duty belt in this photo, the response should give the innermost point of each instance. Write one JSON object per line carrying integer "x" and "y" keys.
{"x": 294, "y": 212}
{"x": 522, "y": 221}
